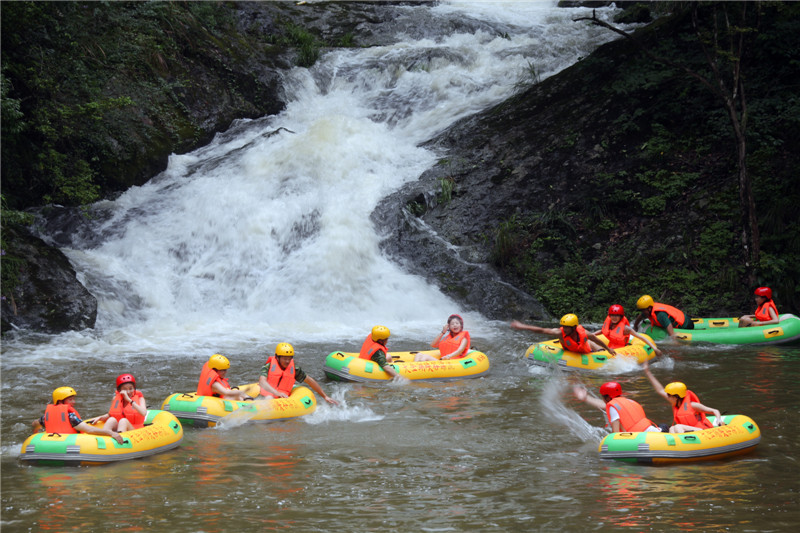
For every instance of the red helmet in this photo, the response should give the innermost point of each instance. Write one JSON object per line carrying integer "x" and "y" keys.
{"x": 612, "y": 389}
{"x": 616, "y": 309}
{"x": 125, "y": 378}
{"x": 766, "y": 292}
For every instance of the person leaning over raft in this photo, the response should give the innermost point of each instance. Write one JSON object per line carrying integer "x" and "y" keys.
{"x": 279, "y": 374}
{"x": 573, "y": 336}
{"x": 623, "y": 414}
{"x": 688, "y": 412}
{"x": 766, "y": 310}
{"x": 374, "y": 349}
{"x": 453, "y": 342}
{"x": 213, "y": 382}
{"x": 662, "y": 315}
{"x": 618, "y": 331}
{"x": 61, "y": 417}
{"x": 128, "y": 408}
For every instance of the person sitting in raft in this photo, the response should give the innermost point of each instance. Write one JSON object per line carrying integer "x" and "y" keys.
{"x": 213, "y": 382}
{"x": 618, "y": 330}
{"x": 766, "y": 311}
{"x": 662, "y": 315}
{"x": 688, "y": 413}
{"x": 279, "y": 374}
{"x": 374, "y": 349}
{"x": 573, "y": 336}
{"x": 128, "y": 409}
{"x": 623, "y": 414}
{"x": 61, "y": 417}
{"x": 453, "y": 342}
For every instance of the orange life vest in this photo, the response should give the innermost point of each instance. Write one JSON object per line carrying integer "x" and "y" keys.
{"x": 56, "y": 418}
{"x": 762, "y": 313}
{"x": 450, "y": 344}
{"x": 208, "y": 377}
{"x": 631, "y": 414}
{"x": 686, "y": 414}
{"x": 369, "y": 348}
{"x": 617, "y": 338}
{"x": 120, "y": 411}
{"x": 674, "y": 312}
{"x": 579, "y": 346}
{"x": 279, "y": 378}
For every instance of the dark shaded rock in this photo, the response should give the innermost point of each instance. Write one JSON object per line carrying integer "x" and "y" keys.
{"x": 48, "y": 297}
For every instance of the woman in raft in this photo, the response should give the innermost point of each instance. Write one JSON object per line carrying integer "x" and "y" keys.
{"x": 453, "y": 342}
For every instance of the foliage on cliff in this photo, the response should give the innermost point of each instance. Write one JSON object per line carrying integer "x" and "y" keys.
{"x": 618, "y": 177}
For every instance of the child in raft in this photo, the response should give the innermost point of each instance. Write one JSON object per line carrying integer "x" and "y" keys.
{"x": 128, "y": 409}
{"x": 61, "y": 417}
{"x": 572, "y": 335}
{"x": 617, "y": 329}
{"x": 453, "y": 342}
{"x": 688, "y": 413}
{"x": 279, "y": 374}
{"x": 766, "y": 311}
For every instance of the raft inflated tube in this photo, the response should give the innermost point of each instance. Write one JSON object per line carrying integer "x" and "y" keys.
{"x": 739, "y": 435}
{"x": 552, "y": 353}
{"x": 726, "y": 330}
{"x": 207, "y": 411}
{"x": 162, "y": 432}
{"x": 344, "y": 366}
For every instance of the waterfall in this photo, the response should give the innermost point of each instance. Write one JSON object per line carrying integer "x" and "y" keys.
{"x": 265, "y": 232}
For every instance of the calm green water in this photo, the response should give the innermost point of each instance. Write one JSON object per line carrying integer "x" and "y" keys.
{"x": 507, "y": 452}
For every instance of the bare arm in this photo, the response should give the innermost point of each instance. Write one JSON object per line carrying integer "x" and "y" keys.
{"x": 659, "y": 388}
{"x": 316, "y": 388}
{"x": 437, "y": 340}
{"x": 646, "y": 340}
{"x": 697, "y": 406}
{"x": 516, "y": 324}
{"x": 599, "y": 341}
{"x": 582, "y": 395}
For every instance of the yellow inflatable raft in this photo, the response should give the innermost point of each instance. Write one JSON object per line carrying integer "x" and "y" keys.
{"x": 206, "y": 411}
{"x": 551, "y": 352}
{"x": 343, "y": 366}
{"x": 161, "y": 432}
{"x": 739, "y": 435}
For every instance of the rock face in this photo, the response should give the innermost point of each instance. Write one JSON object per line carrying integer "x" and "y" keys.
{"x": 48, "y": 298}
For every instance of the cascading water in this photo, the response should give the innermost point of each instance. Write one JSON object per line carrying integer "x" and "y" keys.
{"x": 265, "y": 232}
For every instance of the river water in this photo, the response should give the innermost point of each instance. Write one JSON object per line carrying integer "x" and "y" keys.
{"x": 264, "y": 236}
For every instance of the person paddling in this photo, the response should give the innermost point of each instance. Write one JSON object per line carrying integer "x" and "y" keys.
{"x": 214, "y": 383}
{"x": 573, "y": 336}
{"x": 688, "y": 413}
{"x": 279, "y": 374}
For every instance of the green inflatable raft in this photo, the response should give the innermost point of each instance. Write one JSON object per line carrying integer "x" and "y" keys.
{"x": 727, "y": 331}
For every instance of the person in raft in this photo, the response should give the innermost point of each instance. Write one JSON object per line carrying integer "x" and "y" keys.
{"x": 453, "y": 342}
{"x": 662, "y": 315}
{"x": 688, "y": 413}
{"x": 766, "y": 311}
{"x": 128, "y": 409}
{"x": 213, "y": 382}
{"x": 61, "y": 417}
{"x": 624, "y": 415}
{"x": 374, "y": 349}
{"x": 573, "y": 336}
{"x": 279, "y": 374}
{"x": 618, "y": 330}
